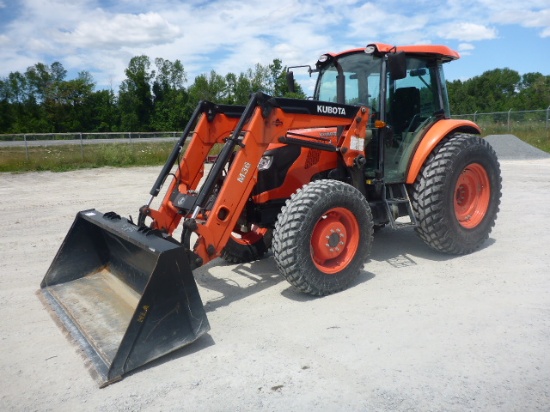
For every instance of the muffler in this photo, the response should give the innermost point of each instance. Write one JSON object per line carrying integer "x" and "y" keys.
{"x": 125, "y": 294}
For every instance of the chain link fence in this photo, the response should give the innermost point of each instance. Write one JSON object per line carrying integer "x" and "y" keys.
{"x": 510, "y": 121}
{"x": 44, "y": 139}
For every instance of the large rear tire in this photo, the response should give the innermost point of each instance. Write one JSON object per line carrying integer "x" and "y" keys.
{"x": 323, "y": 237}
{"x": 456, "y": 195}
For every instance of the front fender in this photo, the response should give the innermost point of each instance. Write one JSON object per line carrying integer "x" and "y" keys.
{"x": 431, "y": 139}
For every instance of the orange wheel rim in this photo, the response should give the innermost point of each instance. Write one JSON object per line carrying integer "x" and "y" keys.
{"x": 335, "y": 240}
{"x": 255, "y": 234}
{"x": 472, "y": 196}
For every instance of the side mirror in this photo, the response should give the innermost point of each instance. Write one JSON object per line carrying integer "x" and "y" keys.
{"x": 397, "y": 65}
{"x": 290, "y": 81}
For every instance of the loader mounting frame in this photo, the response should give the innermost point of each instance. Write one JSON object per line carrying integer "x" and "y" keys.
{"x": 265, "y": 120}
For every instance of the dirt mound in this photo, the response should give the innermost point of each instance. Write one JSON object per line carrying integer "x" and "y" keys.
{"x": 508, "y": 146}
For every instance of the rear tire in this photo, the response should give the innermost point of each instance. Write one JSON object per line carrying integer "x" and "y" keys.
{"x": 323, "y": 237}
{"x": 456, "y": 196}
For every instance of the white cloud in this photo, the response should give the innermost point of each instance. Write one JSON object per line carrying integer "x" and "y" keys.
{"x": 464, "y": 31}
{"x": 526, "y": 18}
{"x": 465, "y": 48}
{"x": 245, "y": 34}
{"x": 376, "y": 22}
{"x": 525, "y": 13}
{"x": 121, "y": 30}
{"x": 101, "y": 36}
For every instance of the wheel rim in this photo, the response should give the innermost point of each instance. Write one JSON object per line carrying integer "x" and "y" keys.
{"x": 472, "y": 196}
{"x": 335, "y": 240}
{"x": 254, "y": 235}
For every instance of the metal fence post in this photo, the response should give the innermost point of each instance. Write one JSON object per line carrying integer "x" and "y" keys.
{"x": 475, "y": 115}
{"x": 509, "y": 126}
{"x": 26, "y": 148}
{"x": 81, "y": 147}
{"x": 547, "y": 116}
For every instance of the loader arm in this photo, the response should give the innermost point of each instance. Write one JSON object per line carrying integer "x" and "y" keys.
{"x": 265, "y": 120}
{"x": 190, "y": 169}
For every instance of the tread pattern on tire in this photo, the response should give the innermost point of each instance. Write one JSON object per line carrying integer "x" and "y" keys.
{"x": 297, "y": 268}
{"x": 430, "y": 196}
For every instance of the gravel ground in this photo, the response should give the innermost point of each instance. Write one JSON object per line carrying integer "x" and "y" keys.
{"x": 509, "y": 147}
{"x": 418, "y": 331}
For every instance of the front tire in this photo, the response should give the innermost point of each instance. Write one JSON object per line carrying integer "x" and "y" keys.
{"x": 243, "y": 247}
{"x": 456, "y": 196}
{"x": 323, "y": 237}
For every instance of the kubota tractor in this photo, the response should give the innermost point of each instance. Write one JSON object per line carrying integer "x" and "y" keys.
{"x": 310, "y": 179}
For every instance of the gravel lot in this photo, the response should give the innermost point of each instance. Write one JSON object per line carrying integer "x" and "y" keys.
{"x": 419, "y": 331}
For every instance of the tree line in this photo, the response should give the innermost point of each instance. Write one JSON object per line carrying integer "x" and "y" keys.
{"x": 153, "y": 96}
{"x": 500, "y": 90}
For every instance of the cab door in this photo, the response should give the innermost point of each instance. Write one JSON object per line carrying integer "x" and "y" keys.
{"x": 413, "y": 104}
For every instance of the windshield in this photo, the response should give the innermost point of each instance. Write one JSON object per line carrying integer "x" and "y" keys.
{"x": 360, "y": 75}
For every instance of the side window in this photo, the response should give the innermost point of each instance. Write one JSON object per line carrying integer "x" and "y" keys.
{"x": 412, "y": 100}
{"x": 327, "y": 91}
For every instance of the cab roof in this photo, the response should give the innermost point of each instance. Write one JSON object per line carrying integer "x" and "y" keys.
{"x": 442, "y": 52}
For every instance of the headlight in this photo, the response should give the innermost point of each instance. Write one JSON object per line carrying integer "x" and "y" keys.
{"x": 265, "y": 162}
{"x": 370, "y": 49}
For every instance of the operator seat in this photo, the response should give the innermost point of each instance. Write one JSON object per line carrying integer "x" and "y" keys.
{"x": 404, "y": 109}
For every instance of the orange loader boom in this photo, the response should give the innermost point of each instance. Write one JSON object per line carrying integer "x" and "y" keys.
{"x": 264, "y": 121}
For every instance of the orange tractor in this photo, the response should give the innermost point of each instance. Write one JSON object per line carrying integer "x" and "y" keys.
{"x": 309, "y": 179}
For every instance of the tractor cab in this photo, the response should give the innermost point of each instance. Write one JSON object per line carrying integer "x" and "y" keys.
{"x": 405, "y": 91}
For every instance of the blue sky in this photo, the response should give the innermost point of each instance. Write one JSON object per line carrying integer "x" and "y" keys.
{"x": 101, "y": 36}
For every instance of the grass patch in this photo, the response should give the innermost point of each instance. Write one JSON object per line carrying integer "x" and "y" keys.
{"x": 72, "y": 157}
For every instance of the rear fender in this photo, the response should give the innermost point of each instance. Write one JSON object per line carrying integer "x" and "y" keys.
{"x": 431, "y": 139}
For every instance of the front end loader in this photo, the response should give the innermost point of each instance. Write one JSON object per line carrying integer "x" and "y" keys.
{"x": 308, "y": 179}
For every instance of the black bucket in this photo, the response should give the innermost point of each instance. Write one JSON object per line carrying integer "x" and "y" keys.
{"x": 126, "y": 295}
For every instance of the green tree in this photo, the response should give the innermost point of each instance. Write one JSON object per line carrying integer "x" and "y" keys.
{"x": 101, "y": 112}
{"x": 55, "y": 97}
{"x": 238, "y": 89}
{"x": 16, "y": 88}
{"x": 460, "y": 100}
{"x": 280, "y": 84}
{"x": 500, "y": 90}
{"x": 534, "y": 92}
{"x": 135, "y": 96}
{"x": 6, "y": 108}
{"x": 211, "y": 88}
{"x": 169, "y": 76}
{"x": 71, "y": 103}
{"x": 494, "y": 90}
{"x": 170, "y": 95}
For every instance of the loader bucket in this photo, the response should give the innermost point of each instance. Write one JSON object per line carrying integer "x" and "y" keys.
{"x": 125, "y": 295}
